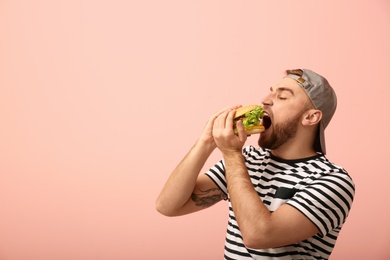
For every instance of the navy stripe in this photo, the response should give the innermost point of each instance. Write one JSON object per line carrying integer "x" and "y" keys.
{"x": 325, "y": 194}
{"x": 237, "y": 252}
{"x": 319, "y": 200}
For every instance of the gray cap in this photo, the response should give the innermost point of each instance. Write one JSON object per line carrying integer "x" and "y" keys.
{"x": 323, "y": 97}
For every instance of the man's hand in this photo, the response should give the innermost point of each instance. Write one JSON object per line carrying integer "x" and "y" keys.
{"x": 223, "y": 133}
{"x": 207, "y": 136}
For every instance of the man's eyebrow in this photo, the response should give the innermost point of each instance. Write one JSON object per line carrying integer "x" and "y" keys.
{"x": 280, "y": 89}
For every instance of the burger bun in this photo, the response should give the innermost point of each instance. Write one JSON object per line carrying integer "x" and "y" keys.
{"x": 243, "y": 110}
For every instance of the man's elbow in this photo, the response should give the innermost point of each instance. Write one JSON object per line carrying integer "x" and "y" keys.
{"x": 255, "y": 243}
{"x": 163, "y": 209}
{"x": 257, "y": 240}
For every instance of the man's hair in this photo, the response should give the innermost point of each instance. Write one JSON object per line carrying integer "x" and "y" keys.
{"x": 297, "y": 72}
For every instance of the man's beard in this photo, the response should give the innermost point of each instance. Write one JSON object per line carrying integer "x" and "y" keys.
{"x": 281, "y": 133}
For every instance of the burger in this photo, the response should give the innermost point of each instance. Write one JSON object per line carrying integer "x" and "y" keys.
{"x": 251, "y": 117}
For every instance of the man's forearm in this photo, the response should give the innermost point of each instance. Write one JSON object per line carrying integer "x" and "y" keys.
{"x": 250, "y": 212}
{"x": 180, "y": 184}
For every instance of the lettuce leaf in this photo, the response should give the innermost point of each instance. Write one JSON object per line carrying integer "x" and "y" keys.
{"x": 253, "y": 117}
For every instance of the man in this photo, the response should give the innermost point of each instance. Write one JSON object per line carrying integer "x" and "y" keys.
{"x": 286, "y": 199}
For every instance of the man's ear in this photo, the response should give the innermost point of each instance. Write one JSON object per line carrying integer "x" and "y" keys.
{"x": 312, "y": 117}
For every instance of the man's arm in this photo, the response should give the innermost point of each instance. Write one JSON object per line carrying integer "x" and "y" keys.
{"x": 185, "y": 190}
{"x": 259, "y": 227}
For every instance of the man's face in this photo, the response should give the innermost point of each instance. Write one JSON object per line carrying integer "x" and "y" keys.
{"x": 284, "y": 107}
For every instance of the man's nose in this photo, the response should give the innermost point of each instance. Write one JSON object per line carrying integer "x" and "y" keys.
{"x": 267, "y": 101}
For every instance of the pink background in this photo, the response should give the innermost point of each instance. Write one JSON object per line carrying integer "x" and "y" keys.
{"x": 85, "y": 143}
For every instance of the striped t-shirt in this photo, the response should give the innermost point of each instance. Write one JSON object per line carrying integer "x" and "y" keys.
{"x": 319, "y": 189}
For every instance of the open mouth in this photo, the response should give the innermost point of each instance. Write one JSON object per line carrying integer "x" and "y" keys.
{"x": 266, "y": 121}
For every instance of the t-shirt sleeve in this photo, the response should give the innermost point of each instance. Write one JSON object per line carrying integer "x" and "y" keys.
{"x": 327, "y": 201}
{"x": 217, "y": 174}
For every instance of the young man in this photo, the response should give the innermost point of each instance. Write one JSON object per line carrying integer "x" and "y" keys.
{"x": 286, "y": 199}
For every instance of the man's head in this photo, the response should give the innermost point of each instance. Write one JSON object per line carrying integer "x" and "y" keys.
{"x": 321, "y": 95}
{"x": 302, "y": 100}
